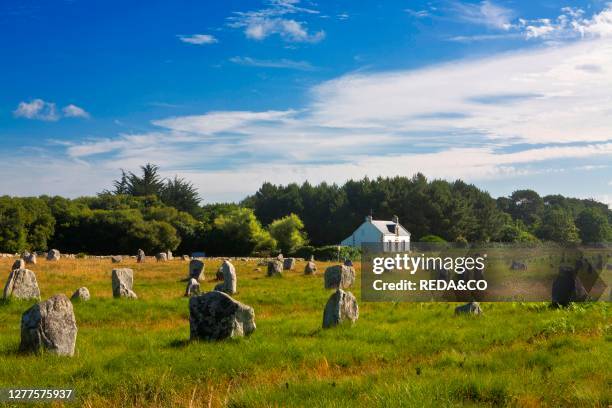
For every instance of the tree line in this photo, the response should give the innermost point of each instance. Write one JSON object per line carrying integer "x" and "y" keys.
{"x": 155, "y": 214}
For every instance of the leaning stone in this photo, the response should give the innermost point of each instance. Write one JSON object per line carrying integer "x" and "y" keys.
{"x": 567, "y": 287}
{"x": 196, "y": 269}
{"x": 288, "y": 264}
{"x": 229, "y": 278}
{"x": 81, "y": 294}
{"x": 193, "y": 288}
{"x": 217, "y": 316}
{"x": 49, "y": 325}
{"x": 472, "y": 308}
{"x": 340, "y": 307}
{"x": 53, "y": 255}
{"x": 18, "y": 264}
{"x": 311, "y": 268}
{"x": 116, "y": 259}
{"x": 161, "y": 257}
{"x": 339, "y": 277}
{"x": 22, "y": 284}
{"x": 141, "y": 257}
{"x": 123, "y": 280}
{"x": 275, "y": 268}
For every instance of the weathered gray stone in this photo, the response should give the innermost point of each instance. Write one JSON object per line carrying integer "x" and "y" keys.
{"x": 219, "y": 273}
{"x": 340, "y": 307}
{"x": 472, "y": 308}
{"x": 339, "y": 277}
{"x": 229, "y": 278}
{"x": 29, "y": 258}
{"x": 81, "y": 293}
{"x": 567, "y": 287}
{"x": 169, "y": 256}
{"x": 216, "y": 316}
{"x": 123, "y": 281}
{"x": 161, "y": 257}
{"x": 348, "y": 262}
{"x": 311, "y": 268}
{"x": 518, "y": 266}
{"x": 289, "y": 264}
{"x": 49, "y": 325}
{"x": 193, "y": 288}
{"x": 22, "y": 284}
{"x": 18, "y": 264}
{"x": 275, "y": 268}
{"x": 186, "y": 258}
{"x": 53, "y": 255}
{"x": 196, "y": 269}
{"x": 116, "y": 259}
{"x": 141, "y": 257}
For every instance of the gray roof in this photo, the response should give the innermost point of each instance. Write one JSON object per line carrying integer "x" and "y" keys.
{"x": 388, "y": 227}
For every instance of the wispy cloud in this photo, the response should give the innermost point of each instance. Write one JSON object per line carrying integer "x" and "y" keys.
{"x": 198, "y": 39}
{"x": 36, "y": 109}
{"x": 281, "y": 63}
{"x": 73, "y": 111}
{"x": 263, "y": 23}
{"x": 417, "y": 13}
{"x": 485, "y": 13}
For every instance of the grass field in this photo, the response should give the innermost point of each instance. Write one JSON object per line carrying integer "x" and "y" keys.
{"x": 137, "y": 352}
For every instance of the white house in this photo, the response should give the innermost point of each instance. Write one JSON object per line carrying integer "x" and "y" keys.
{"x": 390, "y": 234}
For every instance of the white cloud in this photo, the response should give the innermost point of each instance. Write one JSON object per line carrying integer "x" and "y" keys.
{"x": 417, "y": 13}
{"x": 198, "y": 39}
{"x": 260, "y": 24}
{"x": 282, "y": 63}
{"x": 36, "y": 109}
{"x": 486, "y": 13}
{"x": 73, "y": 111}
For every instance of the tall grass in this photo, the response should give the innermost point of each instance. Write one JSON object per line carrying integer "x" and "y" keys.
{"x": 137, "y": 352}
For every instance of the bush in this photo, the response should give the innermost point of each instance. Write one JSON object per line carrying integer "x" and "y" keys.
{"x": 335, "y": 253}
{"x": 432, "y": 238}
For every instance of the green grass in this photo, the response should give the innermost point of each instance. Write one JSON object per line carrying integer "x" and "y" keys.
{"x": 137, "y": 352}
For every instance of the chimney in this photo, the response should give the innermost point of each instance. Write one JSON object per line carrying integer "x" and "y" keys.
{"x": 396, "y": 222}
{"x": 369, "y": 218}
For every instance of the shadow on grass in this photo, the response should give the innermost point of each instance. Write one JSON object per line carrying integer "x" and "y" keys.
{"x": 179, "y": 343}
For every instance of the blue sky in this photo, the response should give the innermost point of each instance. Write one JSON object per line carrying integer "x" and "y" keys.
{"x": 504, "y": 94}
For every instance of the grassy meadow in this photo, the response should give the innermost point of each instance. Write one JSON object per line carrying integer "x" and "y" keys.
{"x": 136, "y": 353}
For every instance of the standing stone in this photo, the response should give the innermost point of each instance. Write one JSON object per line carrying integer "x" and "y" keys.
{"x": 567, "y": 287}
{"x": 288, "y": 264}
{"x": 219, "y": 274}
{"x": 339, "y": 277}
{"x": 49, "y": 325}
{"x": 29, "y": 258}
{"x": 216, "y": 316}
{"x": 18, "y": 264}
{"x": 116, "y": 259}
{"x": 186, "y": 258}
{"x": 518, "y": 266}
{"x": 280, "y": 257}
{"x": 169, "y": 255}
{"x": 161, "y": 257}
{"x": 275, "y": 268}
{"x": 141, "y": 257}
{"x": 311, "y": 268}
{"x": 472, "y": 308}
{"x": 348, "y": 262}
{"x": 229, "y": 278}
{"x": 81, "y": 294}
{"x": 193, "y": 288}
{"x": 340, "y": 307}
{"x": 53, "y": 255}
{"x": 123, "y": 280}
{"x": 22, "y": 284}
{"x": 196, "y": 269}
